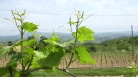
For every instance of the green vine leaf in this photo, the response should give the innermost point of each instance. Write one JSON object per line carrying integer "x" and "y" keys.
{"x": 5, "y": 50}
{"x": 65, "y": 44}
{"x": 52, "y": 60}
{"x": 29, "y": 51}
{"x": 51, "y": 41}
{"x": 83, "y": 34}
{"x": 29, "y": 27}
{"x": 52, "y": 38}
{"x": 52, "y": 48}
{"x": 3, "y": 71}
{"x": 23, "y": 13}
{"x": 29, "y": 42}
{"x": 31, "y": 75}
{"x": 14, "y": 60}
{"x": 83, "y": 56}
{"x": 38, "y": 55}
{"x": 72, "y": 22}
{"x": 16, "y": 73}
{"x": 19, "y": 19}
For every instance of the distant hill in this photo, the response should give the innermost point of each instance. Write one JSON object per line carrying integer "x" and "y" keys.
{"x": 64, "y": 36}
{"x": 99, "y": 37}
{"x": 121, "y": 44}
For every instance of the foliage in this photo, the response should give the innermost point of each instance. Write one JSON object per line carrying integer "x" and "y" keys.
{"x": 83, "y": 34}
{"x": 32, "y": 60}
{"x": 26, "y": 26}
{"x": 119, "y": 44}
{"x": 83, "y": 56}
{"x": 11, "y": 50}
{"x": 1, "y": 50}
{"x": 40, "y": 44}
{"x": 1, "y": 46}
{"x": 134, "y": 69}
{"x": 9, "y": 43}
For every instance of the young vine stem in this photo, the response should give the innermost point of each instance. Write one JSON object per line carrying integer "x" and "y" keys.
{"x": 70, "y": 24}
{"x": 22, "y": 34}
{"x": 15, "y": 20}
{"x": 11, "y": 74}
{"x": 22, "y": 39}
{"x": 30, "y": 62}
{"x": 75, "y": 43}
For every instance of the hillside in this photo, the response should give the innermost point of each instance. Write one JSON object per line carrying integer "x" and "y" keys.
{"x": 99, "y": 37}
{"x": 64, "y": 36}
{"x": 123, "y": 43}
{"x": 108, "y": 41}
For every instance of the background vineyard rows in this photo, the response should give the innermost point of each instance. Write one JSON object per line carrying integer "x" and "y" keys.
{"x": 103, "y": 59}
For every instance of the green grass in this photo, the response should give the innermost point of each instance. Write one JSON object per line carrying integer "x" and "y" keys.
{"x": 87, "y": 72}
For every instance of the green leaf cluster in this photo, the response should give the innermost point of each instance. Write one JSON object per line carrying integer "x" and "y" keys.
{"x": 29, "y": 26}
{"x": 29, "y": 42}
{"x": 14, "y": 60}
{"x": 3, "y": 50}
{"x": 52, "y": 46}
{"x": 72, "y": 23}
{"x": 83, "y": 34}
{"x": 19, "y": 19}
{"x": 52, "y": 38}
{"x": 4, "y": 71}
{"x": 83, "y": 56}
{"x": 53, "y": 59}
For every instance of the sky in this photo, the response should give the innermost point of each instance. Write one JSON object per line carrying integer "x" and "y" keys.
{"x": 106, "y": 15}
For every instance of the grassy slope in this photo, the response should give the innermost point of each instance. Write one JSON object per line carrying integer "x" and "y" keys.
{"x": 89, "y": 72}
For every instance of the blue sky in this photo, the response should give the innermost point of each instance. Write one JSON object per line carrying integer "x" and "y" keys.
{"x": 107, "y": 15}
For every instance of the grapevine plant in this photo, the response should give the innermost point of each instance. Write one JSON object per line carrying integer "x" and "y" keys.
{"x": 28, "y": 60}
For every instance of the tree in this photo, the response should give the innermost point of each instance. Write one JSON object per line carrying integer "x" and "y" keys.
{"x": 40, "y": 44}
{"x": 9, "y": 43}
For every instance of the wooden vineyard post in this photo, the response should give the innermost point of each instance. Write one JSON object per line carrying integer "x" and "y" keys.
{"x": 135, "y": 59}
{"x": 132, "y": 42}
{"x": 118, "y": 60}
{"x": 101, "y": 61}
{"x": 121, "y": 56}
{"x": 93, "y": 58}
{"x": 97, "y": 58}
{"x": 105, "y": 59}
{"x": 124, "y": 60}
{"x": 129, "y": 60}
{"x": 62, "y": 63}
{"x": 78, "y": 64}
{"x": 111, "y": 60}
